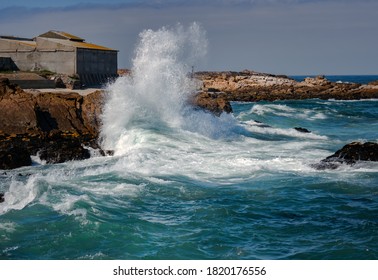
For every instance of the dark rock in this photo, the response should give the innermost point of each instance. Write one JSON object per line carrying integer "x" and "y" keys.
{"x": 212, "y": 90}
{"x": 327, "y": 164}
{"x": 74, "y": 84}
{"x": 59, "y": 82}
{"x": 44, "y": 119}
{"x": 350, "y": 154}
{"x": 107, "y": 152}
{"x": 212, "y": 102}
{"x": 14, "y": 157}
{"x": 1, "y": 197}
{"x": 6, "y": 86}
{"x": 260, "y": 124}
{"x": 24, "y": 175}
{"x": 301, "y": 129}
{"x": 62, "y": 153}
{"x": 63, "y": 148}
{"x": 356, "y": 151}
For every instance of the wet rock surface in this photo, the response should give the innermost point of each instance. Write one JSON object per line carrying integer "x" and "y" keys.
{"x": 211, "y": 102}
{"x": 56, "y": 126}
{"x": 302, "y": 129}
{"x": 14, "y": 157}
{"x": 350, "y": 154}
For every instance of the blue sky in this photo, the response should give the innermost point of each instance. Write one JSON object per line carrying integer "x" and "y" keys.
{"x": 275, "y": 36}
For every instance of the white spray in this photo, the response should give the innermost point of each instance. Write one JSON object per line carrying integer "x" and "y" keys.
{"x": 155, "y": 95}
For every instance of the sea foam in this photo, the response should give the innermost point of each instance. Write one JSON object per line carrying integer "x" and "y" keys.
{"x": 153, "y": 99}
{"x": 155, "y": 94}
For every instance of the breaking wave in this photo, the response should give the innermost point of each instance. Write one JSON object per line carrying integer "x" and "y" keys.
{"x": 155, "y": 94}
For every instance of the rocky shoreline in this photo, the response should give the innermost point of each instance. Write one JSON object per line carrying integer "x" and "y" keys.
{"x": 64, "y": 126}
{"x": 220, "y": 88}
{"x": 56, "y": 126}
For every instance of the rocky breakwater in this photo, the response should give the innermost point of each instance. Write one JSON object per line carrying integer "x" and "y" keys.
{"x": 220, "y": 88}
{"x": 56, "y": 126}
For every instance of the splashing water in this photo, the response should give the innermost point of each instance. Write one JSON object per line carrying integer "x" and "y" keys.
{"x": 187, "y": 185}
{"x": 155, "y": 94}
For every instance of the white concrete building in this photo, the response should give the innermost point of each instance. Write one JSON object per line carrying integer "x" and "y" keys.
{"x": 59, "y": 52}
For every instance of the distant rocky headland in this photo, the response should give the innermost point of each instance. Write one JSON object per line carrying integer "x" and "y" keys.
{"x": 64, "y": 126}
{"x": 219, "y": 88}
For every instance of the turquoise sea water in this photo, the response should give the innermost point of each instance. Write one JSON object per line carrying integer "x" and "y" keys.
{"x": 181, "y": 195}
{"x": 184, "y": 184}
{"x": 361, "y": 79}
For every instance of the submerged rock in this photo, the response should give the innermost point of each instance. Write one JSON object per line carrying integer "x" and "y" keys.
{"x": 260, "y": 124}
{"x": 350, "y": 154}
{"x": 301, "y": 129}
{"x": 1, "y": 197}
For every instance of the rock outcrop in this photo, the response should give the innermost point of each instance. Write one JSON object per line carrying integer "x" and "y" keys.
{"x": 53, "y": 125}
{"x": 59, "y": 126}
{"x": 301, "y": 129}
{"x": 211, "y": 102}
{"x": 350, "y": 154}
{"x": 252, "y": 86}
{"x": 14, "y": 157}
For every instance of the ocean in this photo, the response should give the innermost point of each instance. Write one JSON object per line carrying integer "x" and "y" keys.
{"x": 184, "y": 184}
{"x": 360, "y": 79}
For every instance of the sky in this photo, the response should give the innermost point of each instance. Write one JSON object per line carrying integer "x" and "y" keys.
{"x": 291, "y": 37}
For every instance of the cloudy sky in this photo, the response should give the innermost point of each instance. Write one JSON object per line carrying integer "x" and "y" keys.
{"x": 293, "y": 37}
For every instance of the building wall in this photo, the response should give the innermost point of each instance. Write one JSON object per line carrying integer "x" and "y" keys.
{"x": 59, "y": 62}
{"x": 44, "y": 55}
{"x": 19, "y": 53}
{"x": 14, "y": 45}
{"x": 7, "y": 64}
{"x": 92, "y": 61}
{"x": 96, "y": 66}
{"x": 55, "y": 57}
{"x": 24, "y": 60}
